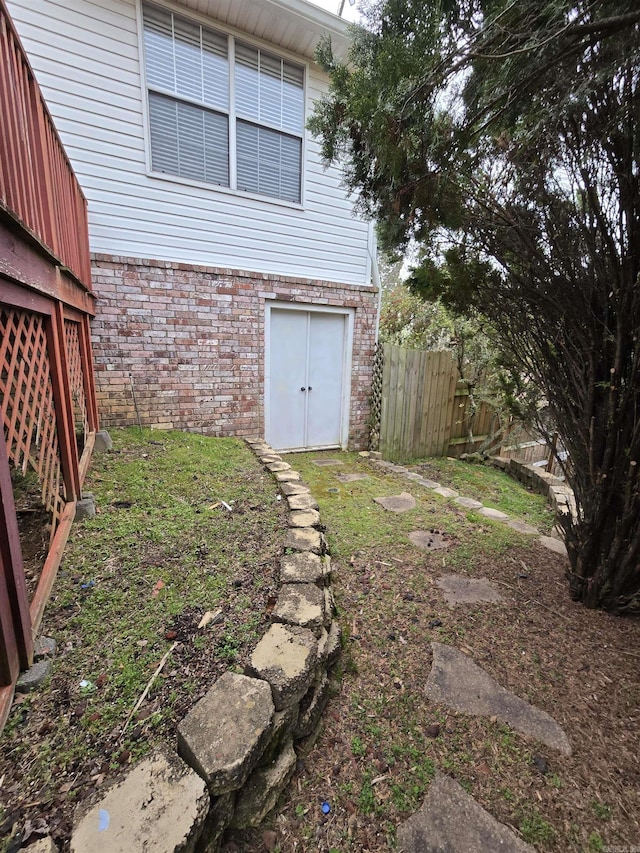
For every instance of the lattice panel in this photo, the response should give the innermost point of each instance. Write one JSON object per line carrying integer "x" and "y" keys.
{"x": 28, "y": 413}
{"x": 76, "y": 378}
{"x": 375, "y": 411}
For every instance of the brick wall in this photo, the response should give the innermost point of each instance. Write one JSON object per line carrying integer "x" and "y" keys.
{"x": 192, "y": 340}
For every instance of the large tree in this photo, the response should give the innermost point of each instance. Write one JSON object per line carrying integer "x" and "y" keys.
{"x": 503, "y": 137}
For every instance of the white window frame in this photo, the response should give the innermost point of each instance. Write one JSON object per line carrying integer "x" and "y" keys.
{"x": 232, "y": 35}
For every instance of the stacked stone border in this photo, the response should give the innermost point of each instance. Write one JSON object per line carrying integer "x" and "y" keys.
{"x": 559, "y": 494}
{"x": 238, "y": 746}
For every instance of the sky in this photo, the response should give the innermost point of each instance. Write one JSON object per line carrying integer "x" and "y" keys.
{"x": 349, "y": 13}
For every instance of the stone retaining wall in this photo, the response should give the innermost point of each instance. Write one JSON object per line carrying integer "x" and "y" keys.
{"x": 559, "y": 494}
{"x": 238, "y": 746}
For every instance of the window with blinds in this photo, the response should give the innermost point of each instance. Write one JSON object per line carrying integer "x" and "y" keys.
{"x": 191, "y": 115}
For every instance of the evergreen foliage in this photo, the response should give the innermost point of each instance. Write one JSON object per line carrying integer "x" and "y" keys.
{"x": 503, "y": 137}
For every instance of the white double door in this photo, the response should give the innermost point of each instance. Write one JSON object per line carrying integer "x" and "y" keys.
{"x": 307, "y": 385}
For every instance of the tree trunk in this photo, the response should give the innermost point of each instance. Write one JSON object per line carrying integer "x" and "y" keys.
{"x": 604, "y": 547}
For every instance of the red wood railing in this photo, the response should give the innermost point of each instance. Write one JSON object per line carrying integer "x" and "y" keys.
{"x": 47, "y": 391}
{"x": 37, "y": 184}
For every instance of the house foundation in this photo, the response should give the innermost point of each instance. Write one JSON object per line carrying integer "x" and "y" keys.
{"x": 186, "y": 344}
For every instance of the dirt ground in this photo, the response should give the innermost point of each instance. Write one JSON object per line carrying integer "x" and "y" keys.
{"x": 382, "y": 739}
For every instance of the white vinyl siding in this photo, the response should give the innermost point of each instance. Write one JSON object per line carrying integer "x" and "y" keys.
{"x": 188, "y": 77}
{"x": 87, "y": 60}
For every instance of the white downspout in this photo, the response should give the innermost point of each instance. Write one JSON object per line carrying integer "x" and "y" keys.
{"x": 372, "y": 248}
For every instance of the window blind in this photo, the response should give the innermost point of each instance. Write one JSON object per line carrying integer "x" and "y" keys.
{"x": 269, "y": 163}
{"x": 188, "y": 141}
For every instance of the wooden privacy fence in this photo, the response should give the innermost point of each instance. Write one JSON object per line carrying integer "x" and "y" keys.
{"x": 422, "y": 408}
{"x": 47, "y": 392}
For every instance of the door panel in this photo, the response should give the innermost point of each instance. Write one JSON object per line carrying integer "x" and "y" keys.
{"x": 307, "y": 363}
{"x": 287, "y": 409}
{"x": 326, "y": 367}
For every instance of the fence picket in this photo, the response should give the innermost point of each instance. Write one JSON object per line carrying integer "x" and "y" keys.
{"x": 424, "y": 409}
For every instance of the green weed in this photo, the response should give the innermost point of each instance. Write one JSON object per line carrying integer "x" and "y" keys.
{"x": 601, "y": 810}
{"x": 536, "y": 830}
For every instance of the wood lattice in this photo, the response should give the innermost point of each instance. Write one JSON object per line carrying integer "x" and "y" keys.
{"x": 375, "y": 408}
{"x": 26, "y": 396}
{"x": 76, "y": 378}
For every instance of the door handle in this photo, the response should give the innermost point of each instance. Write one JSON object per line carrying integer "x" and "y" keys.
{"x": 304, "y": 389}
{"x": 309, "y": 388}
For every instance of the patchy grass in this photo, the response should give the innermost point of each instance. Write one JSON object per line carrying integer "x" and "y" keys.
{"x": 161, "y": 519}
{"x": 136, "y": 579}
{"x": 351, "y": 516}
{"x": 383, "y": 740}
{"x": 491, "y": 486}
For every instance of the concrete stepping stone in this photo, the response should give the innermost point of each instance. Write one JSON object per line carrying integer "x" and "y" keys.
{"x": 428, "y": 484}
{"x": 412, "y": 475}
{"x": 285, "y": 658}
{"x": 304, "y": 539}
{"x": 265, "y": 785}
{"x": 495, "y": 514}
{"x": 397, "y": 503}
{"x": 33, "y": 677}
{"x": 46, "y": 844}
{"x": 326, "y": 463}
{"x": 429, "y": 540}
{"x": 521, "y": 526}
{"x": 256, "y": 441}
{"x": 468, "y": 503}
{"x": 159, "y": 807}
{"x": 451, "y": 820}
{"x": 351, "y": 478}
{"x": 445, "y": 492}
{"x": 459, "y": 683}
{"x": 305, "y": 501}
{"x": 304, "y": 567}
{"x": 304, "y": 518}
{"x": 398, "y": 469}
{"x": 226, "y": 731}
{"x": 553, "y": 544}
{"x": 301, "y": 604}
{"x": 44, "y": 647}
{"x": 461, "y": 590}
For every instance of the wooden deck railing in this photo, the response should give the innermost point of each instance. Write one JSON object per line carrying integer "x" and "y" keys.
{"x": 37, "y": 184}
{"x": 47, "y": 391}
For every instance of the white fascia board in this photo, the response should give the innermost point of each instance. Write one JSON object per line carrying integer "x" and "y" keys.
{"x": 304, "y": 16}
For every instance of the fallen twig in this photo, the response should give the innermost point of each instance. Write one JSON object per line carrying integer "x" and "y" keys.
{"x": 554, "y": 612}
{"x": 146, "y": 690}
